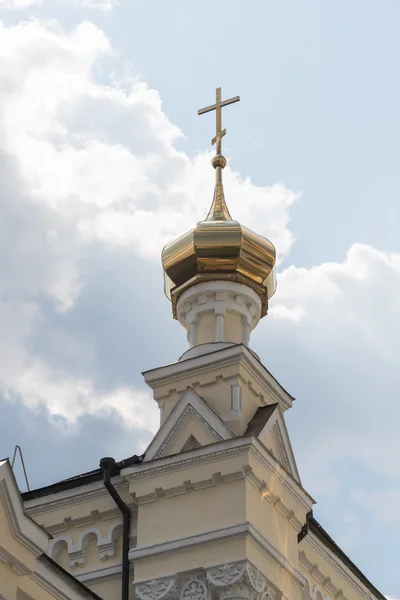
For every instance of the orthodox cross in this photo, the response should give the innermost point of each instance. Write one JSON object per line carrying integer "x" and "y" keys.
{"x": 217, "y": 107}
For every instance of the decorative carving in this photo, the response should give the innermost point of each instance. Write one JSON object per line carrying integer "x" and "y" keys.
{"x": 237, "y": 591}
{"x": 256, "y": 578}
{"x": 226, "y": 574}
{"x": 195, "y": 589}
{"x": 238, "y": 581}
{"x": 189, "y": 412}
{"x": 157, "y": 589}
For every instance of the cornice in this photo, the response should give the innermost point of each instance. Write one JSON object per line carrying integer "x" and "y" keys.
{"x": 73, "y": 496}
{"x": 176, "y": 462}
{"x": 189, "y": 486}
{"x": 216, "y": 361}
{"x": 93, "y": 576}
{"x": 245, "y": 530}
{"x": 340, "y": 569}
{"x": 212, "y": 453}
{"x": 205, "y": 538}
{"x": 17, "y": 566}
{"x": 267, "y": 494}
{"x": 93, "y": 517}
{"x": 290, "y": 485}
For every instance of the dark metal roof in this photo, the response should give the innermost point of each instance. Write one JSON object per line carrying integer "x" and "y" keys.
{"x": 260, "y": 418}
{"x": 78, "y": 480}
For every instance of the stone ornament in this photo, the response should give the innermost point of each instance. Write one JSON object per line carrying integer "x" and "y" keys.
{"x": 238, "y": 580}
{"x": 226, "y": 574}
{"x": 157, "y": 589}
{"x": 195, "y": 589}
{"x": 255, "y": 578}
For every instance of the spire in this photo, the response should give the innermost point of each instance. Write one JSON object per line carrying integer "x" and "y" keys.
{"x": 219, "y": 210}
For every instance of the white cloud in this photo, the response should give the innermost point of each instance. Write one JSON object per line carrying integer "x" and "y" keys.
{"x": 105, "y": 5}
{"x": 71, "y": 398}
{"x": 87, "y": 163}
{"x": 19, "y": 4}
{"x": 91, "y": 163}
{"x": 343, "y": 323}
{"x": 102, "y": 5}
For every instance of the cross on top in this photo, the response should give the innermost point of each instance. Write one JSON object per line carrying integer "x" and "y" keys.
{"x": 217, "y": 107}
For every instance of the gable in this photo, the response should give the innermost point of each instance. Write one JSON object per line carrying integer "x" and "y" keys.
{"x": 24, "y": 536}
{"x": 193, "y": 431}
{"x": 268, "y": 425}
{"x": 191, "y": 418}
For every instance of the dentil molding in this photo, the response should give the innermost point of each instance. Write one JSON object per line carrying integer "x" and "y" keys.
{"x": 238, "y": 580}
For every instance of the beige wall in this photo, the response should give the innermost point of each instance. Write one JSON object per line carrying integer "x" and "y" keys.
{"x": 191, "y": 514}
{"x": 184, "y": 560}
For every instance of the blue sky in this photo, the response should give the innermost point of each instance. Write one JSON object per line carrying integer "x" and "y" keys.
{"x": 103, "y": 159}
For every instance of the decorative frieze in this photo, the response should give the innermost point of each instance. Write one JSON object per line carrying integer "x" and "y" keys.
{"x": 106, "y": 544}
{"x": 195, "y": 589}
{"x": 238, "y": 580}
{"x": 164, "y": 588}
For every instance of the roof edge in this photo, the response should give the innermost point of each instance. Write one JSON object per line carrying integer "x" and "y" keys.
{"x": 79, "y": 480}
{"x": 326, "y": 539}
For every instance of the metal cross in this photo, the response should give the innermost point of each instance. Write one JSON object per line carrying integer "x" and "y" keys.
{"x": 217, "y": 107}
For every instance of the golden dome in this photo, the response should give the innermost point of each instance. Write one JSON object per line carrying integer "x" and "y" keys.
{"x": 219, "y": 248}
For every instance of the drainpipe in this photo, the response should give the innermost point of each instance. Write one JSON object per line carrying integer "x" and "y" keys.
{"x": 108, "y": 466}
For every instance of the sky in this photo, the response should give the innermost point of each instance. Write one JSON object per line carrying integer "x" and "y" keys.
{"x": 103, "y": 159}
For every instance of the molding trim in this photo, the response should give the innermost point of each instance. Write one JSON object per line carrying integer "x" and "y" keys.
{"x": 190, "y": 486}
{"x": 16, "y": 565}
{"x": 91, "y": 519}
{"x": 93, "y": 576}
{"x": 340, "y": 569}
{"x": 216, "y": 452}
{"x": 176, "y": 462}
{"x": 74, "y": 496}
{"x": 215, "y": 361}
{"x": 290, "y": 485}
{"x": 267, "y": 494}
{"x": 245, "y": 529}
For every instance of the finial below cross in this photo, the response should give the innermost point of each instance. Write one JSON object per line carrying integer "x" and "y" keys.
{"x": 217, "y": 107}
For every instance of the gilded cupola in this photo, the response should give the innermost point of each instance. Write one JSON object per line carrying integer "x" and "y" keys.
{"x": 219, "y": 248}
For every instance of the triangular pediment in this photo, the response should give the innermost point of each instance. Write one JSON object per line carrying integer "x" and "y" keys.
{"x": 268, "y": 424}
{"x": 192, "y": 423}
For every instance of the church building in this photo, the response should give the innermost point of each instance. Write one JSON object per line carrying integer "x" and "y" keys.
{"x": 215, "y": 508}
